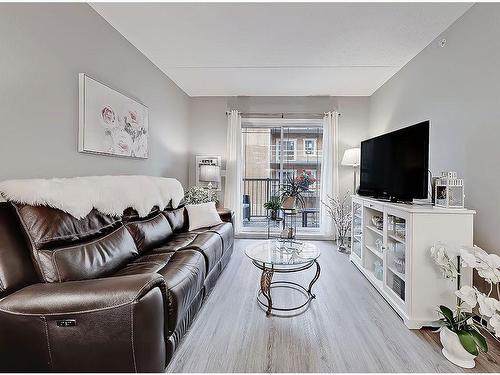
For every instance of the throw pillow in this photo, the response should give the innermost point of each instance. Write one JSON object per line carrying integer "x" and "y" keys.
{"x": 202, "y": 215}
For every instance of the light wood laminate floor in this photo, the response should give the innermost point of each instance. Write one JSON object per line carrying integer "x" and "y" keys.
{"x": 348, "y": 328}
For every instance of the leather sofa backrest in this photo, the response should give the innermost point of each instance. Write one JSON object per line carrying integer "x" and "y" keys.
{"x": 16, "y": 268}
{"x": 49, "y": 227}
{"x": 150, "y": 232}
{"x": 65, "y": 248}
{"x": 178, "y": 219}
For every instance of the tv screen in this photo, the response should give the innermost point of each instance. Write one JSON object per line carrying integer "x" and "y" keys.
{"x": 395, "y": 165}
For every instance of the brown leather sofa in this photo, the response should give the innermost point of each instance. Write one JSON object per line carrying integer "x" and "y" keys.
{"x": 101, "y": 294}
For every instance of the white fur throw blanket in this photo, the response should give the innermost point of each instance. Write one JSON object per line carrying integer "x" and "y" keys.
{"x": 108, "y": 194}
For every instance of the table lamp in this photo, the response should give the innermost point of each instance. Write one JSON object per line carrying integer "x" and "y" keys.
{"x": 351, "y": 158}
{"x": 211, "y": 174}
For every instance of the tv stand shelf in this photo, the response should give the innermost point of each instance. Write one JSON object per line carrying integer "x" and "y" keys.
{"x": 396, "y": 259}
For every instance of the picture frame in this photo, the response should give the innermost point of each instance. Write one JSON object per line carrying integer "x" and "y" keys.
{"x": 110, "y": 122}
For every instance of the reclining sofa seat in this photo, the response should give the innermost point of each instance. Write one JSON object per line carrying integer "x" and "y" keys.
{"x": 102, "y": 293}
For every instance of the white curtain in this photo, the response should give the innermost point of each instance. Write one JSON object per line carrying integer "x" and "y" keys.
{"x": 234, "y": 156}
{"x": 329, "y": 168}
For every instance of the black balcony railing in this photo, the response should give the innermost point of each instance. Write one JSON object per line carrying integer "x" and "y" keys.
{"x": 256, "y": 192}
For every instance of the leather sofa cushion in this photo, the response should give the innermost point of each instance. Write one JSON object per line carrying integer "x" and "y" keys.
{"x": 184, "y": 276}
{"x": 210, "y": 245}
{"x": 181, "y": 240}
{"x": 184, "y": 273}
{"x": 225, "y": 231}
{"x": 16, "y": 268}
{"x": 178, "y": 219}
{"x": 150, "y": 233}
{"x": 176, "y": 242}
{"x": 48, "y": 227}
{"x": 150, "y": 263}
{"x": 89, "y": 260}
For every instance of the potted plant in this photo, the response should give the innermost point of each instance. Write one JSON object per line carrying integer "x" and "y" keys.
{"x": 292, "y": 194}
{"x": 339, "y": 209}
{"x": 273, "y": 205}
{"x": 305, "y": 179}
{"x": 461, "y": 339}
{"x": 461, "y": 331}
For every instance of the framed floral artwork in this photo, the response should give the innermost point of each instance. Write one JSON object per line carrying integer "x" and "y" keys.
{"x": 111, "y": 123}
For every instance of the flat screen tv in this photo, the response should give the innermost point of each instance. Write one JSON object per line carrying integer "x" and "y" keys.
{"x": 395, "y": 165}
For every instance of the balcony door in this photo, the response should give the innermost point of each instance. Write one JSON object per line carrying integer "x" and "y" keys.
{"x": 275, "y": 152}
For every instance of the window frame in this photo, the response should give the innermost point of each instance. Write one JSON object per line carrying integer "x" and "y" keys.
{"x": 315, "y": 148}
{"x": 278, "y": 149}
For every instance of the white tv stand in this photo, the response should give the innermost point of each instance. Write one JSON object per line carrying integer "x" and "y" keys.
{"x": 423, "y": 287}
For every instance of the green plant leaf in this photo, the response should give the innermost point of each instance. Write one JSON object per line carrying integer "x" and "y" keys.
{"x": 467, "y": 342}
{"x": 438, "y": 324}
{"x": 462, "y": 319}
{"x": 480, "y": 340}
{"x": 448, "y": 314}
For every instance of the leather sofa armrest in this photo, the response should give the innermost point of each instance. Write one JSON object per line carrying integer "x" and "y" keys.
{"x": 113, "y": 324}
{"x": 226, "y": 215}
{"x": 80, "y": 296}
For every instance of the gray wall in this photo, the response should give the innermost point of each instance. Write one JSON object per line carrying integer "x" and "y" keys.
{"x": 209, "y": 122}
{"x": 457, "y": 88}
{"x": 43, "y": 47}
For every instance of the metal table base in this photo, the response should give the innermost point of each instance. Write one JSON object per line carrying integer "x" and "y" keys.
{"x": 266, "y": 285}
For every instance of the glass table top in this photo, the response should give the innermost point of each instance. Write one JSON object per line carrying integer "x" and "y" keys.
{"x": 283, "y": 253}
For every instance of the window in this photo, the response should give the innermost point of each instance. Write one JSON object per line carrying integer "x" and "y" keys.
{"x": 309, "y": 146}
{"x": 274, "y": 151}
{"x": 289, "y": 150}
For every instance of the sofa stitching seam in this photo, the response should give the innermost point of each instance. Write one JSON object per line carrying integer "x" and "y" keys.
{"x": 132, "y": 335}
{"x": 48, "y": 339}
{"x": 54, "y": 262}
{"x": 66, "y": 312}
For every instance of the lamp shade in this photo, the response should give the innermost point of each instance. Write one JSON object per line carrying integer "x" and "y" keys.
{"x": 352, "y": 157}
{"x": 209, "y": 173}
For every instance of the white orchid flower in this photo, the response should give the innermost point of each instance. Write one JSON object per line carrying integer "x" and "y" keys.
{"x": 443, "y": 256}
{"x": 491, "y": 275}
{"x": 494, "y": 261}
{"x": 495, "y": 323}
{"x": 468, "y": 295}
{"x": 468, "y": 257}
{"x": 487, "y": 305}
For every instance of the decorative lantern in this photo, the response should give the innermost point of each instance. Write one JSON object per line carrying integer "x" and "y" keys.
{"x": 449, "y": 191}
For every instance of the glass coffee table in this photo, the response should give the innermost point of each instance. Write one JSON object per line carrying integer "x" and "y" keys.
{"x": 283, "y": 256}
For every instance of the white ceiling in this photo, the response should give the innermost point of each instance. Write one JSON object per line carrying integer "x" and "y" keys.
{"x": 269, "y": 49}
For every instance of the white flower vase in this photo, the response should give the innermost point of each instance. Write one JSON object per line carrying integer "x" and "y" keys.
{"x": 454, "y": 351}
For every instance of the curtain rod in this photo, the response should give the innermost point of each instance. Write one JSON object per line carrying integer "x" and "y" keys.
{"x": 279, "y": 114}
